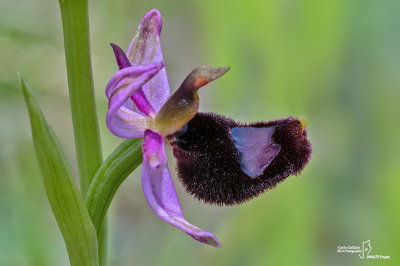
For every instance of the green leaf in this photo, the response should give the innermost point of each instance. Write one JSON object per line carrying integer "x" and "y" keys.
{"x": 114, "y": 170}
{"x": 63, "y": 194}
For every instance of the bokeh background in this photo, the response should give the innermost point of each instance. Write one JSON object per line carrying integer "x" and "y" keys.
{"x": 336, "y": 62}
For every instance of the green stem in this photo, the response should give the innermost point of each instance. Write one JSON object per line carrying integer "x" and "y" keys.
{"x": 75, "y": 20}
{"x": 114, "y": 170}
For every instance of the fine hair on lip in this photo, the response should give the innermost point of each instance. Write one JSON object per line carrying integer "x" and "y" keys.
{"x": 208, "y": 162}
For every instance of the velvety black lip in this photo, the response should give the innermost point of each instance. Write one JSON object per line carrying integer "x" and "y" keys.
{"x": 208, "y": 162}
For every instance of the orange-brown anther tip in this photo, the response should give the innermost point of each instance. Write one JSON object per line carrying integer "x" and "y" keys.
{"x": 202, "y": 75}
{"x": 200, "y": 82}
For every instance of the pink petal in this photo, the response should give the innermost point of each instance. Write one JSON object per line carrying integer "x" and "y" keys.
{"x": 153, "y": 149}
{"x": 120, "y": 56}
{"x": 161, "y": 196}
{"x": 134, "y": 74}
{"x": 139, "y": 98}
{"x": 126, "y": 123}
{"x": 122, "y": 120}
{"x": 143, "y": 104}
{"x": 145, "y": 48}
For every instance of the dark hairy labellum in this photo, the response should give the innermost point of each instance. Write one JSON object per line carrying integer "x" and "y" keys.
{"x": 220, "y": 161}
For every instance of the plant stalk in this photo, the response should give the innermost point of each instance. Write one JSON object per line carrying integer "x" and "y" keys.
{"x": 75, "y": 20}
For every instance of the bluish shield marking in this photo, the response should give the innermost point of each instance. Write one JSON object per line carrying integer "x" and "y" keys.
{"x": 255, "y": 147}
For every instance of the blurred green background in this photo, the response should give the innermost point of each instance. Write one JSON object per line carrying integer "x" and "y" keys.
{"x": 336, "y": 62}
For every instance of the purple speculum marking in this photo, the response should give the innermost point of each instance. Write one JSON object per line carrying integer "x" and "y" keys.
{"x": 255, "y": 147}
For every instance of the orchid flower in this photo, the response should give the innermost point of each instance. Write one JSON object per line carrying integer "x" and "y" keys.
{"x": 140, "y": 105}
{"x": 219, "y": 161}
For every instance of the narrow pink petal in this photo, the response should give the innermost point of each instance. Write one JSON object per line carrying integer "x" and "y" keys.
{"x": 145, "y": 48}
{"x": 120, "y": 56}
{"x": 161, "y": 196}
{"x": 153, "y": 149}
{"x": 122, "y": 120}
{"x": 126, "y": 123}
{"x": 142, "y": 104}
{"x": 131, "y": 74}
